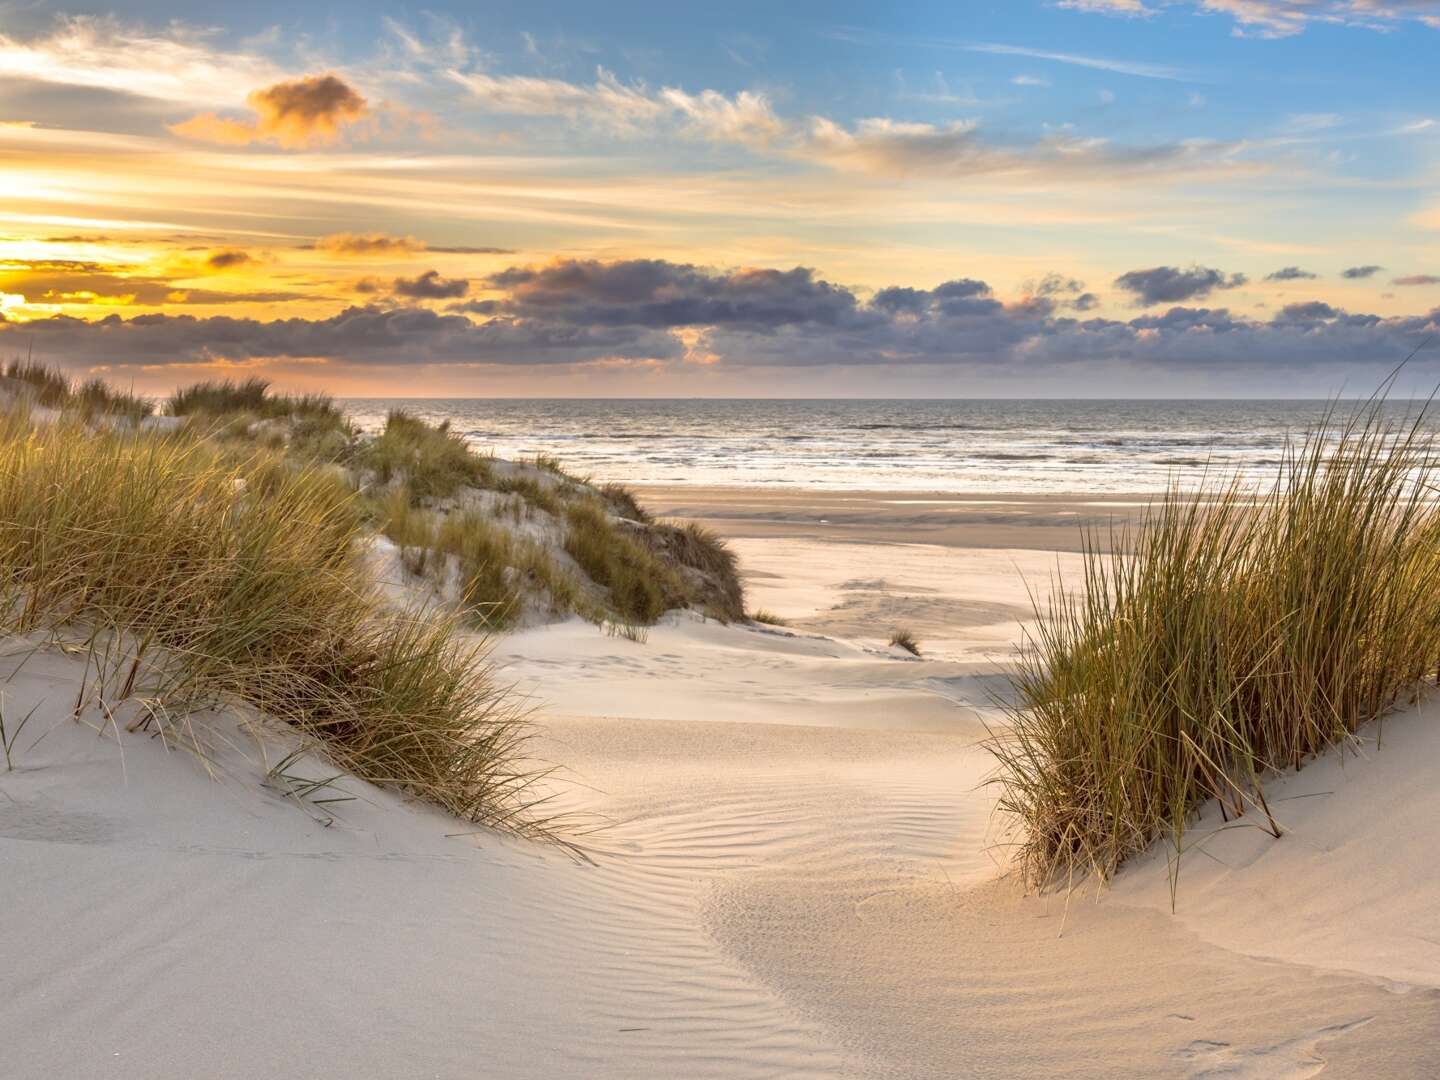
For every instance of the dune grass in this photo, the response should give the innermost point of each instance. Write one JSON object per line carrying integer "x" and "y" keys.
{"x": 430, "y": 460}
{"x": 252, "y": 396}
{"x": 534, "y": 494}
{"x": 235, "y": 576}
{"x": 712, "y": 569}
{"x": 1233, "y": 632}
{"x": 641, "y": 587}
{"x": 498, "y": 570}
{"x": 622, "y": 501}
{"x": 55, "y": 390}
{"x": 904, "y": 639}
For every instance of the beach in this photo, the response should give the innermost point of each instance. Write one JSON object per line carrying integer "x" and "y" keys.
{"x": 720, "y": 542}
{"x": 786, "y": 864}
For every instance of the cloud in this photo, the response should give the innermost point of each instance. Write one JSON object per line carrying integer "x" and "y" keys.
{"x": 1291, "y": 273}
{"x": 659, "y": 294}
{"x": 364, "y": 245}
{"x": 880, "y": 146}
{"x": 310, "y": 111}
{"x": 885, "y": 147}
{"x": 1282, "y": 18}
{"x": 180, "y": 65}
{"x": 607, "y": 101}
{"x": 346, "y": 245}
{"x": 747, "y": 118}
{"x": 1357, "y": 272}
{"x": 1309, "y": 311}
{"x": 228, "y": 259}
{"x": 1108, "y": 7}
{"x": 79, "y": 282}
{"x": 1170, "y": 284}
{"x": 1416, "y": 279}
{"x": 574, "y": 312}
{"x": 1098, "y": 63}
{"x": 431, "y": 286}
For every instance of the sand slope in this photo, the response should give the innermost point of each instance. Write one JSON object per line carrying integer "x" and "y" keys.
{"x": 794, "y": 879}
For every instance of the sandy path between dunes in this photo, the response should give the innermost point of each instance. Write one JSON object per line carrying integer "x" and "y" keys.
{"x": 817, "y": 805}
{"x": 795, "y": 878}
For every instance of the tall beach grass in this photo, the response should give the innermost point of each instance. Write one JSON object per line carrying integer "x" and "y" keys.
{"x": 234, "y": 576}
{"x": 1234, "y": 631}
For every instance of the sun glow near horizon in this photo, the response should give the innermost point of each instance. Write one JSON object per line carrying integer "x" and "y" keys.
{"x": 1045, "y": 199}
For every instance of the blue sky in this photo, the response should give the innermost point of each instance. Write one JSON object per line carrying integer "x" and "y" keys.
{"x": 1147, "y": 197}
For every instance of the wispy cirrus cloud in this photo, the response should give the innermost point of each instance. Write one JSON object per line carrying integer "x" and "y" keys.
{"x": 179, "y": 64}
{"x": 347, "y": 245}
{"x": 1280, "y": 18}
{"x": 878, "y": 146}
{"x": 619, "y": 106}
{"x": 886, "y": 147}
{"x": 628, "y": 108}
{"x": 1140, "y": 68}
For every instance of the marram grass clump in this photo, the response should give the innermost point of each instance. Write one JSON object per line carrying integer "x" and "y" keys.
{"x": 236, "y": 576}
{"x": 1233, "y": 632}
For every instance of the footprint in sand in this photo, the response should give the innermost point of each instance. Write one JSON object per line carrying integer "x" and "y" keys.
{"x": 1293, "y": 1059}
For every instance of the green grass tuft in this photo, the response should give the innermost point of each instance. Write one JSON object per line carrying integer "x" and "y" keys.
{"x": 1233, "y": 633}
{"x": 239, "y": 574}
{"x": 250, "y": 396}
{"x": 641, "y": 587}
{"x": 53, "y": 389}
{"x": 430, "y": 461}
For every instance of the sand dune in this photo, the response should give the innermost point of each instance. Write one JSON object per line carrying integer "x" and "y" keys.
{"x": 794, "y": 876}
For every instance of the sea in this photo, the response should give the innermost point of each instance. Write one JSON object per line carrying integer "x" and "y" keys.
{"x": 951, "y": 446}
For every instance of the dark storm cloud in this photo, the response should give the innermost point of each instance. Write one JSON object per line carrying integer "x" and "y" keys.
{"x": 1357, "y": 272}
{"x": 660, "y": 294}
{"x": 431, "y": 286}
{"x": 362, "y": 335}
{"x": 644, "y": 310}
{"x": 1291, "y": 273}
{"x": 1173, "y": 285}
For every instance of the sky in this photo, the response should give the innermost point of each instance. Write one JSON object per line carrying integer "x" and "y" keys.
{"x": 1082, "y": 198}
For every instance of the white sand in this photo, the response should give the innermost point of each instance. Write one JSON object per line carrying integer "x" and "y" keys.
{"x": 793, "y": 881}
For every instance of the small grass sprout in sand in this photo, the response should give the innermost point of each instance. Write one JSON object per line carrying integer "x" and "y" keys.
{"x": 767, "y": 618}
{"x": 904, "y": 639}
{"x": 1234, "y": 632}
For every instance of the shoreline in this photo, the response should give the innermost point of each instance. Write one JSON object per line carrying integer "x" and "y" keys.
{"x": 1038, "y": 521}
